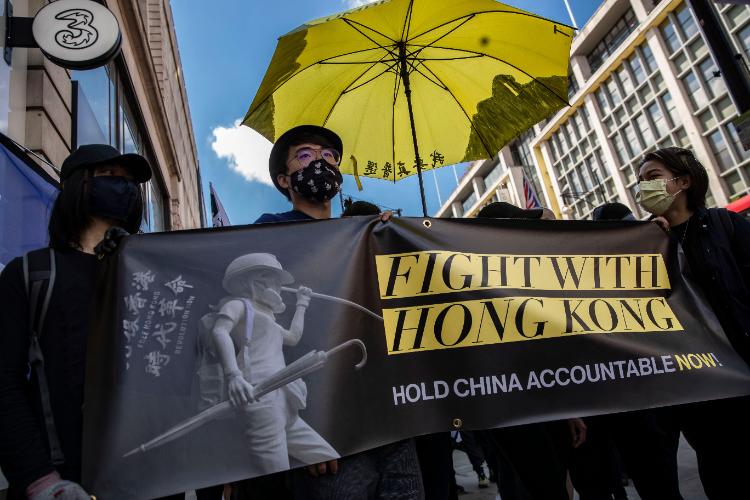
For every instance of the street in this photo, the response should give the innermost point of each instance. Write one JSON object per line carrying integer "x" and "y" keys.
{"x": 690, "y": 485}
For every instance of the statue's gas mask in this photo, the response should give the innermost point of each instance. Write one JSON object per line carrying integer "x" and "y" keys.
{"x": 266, "y": 290}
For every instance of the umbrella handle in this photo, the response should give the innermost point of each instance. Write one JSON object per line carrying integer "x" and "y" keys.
{"x": 348, "y": 343}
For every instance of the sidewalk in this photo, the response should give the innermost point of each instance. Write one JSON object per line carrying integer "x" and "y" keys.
{"x": 690, "y": 484}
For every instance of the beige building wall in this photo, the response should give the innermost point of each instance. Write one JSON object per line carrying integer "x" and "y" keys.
{"x": 653, "y": 86}
{"x": 40, "y": 106}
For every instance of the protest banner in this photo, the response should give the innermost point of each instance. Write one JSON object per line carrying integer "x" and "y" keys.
{"x": 354, "y": 333}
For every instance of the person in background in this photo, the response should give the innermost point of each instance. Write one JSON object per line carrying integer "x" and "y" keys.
{"x": 41, "y": 417}
{"x": 533, "y": 457}
{"x": 673, "y": 186}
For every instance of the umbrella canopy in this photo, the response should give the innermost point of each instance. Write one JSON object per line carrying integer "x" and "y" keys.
{"x": 453, "y": 79}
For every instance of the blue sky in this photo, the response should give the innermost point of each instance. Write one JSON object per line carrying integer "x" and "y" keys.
{"x": 225, "y": 51}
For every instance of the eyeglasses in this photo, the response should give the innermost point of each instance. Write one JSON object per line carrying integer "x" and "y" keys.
{"x": 305, "y": 156}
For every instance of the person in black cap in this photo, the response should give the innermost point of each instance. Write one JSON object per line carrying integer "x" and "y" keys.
{"x": 41, "y": 409}
{"x": 304, "y": 167}
{"x": 612, "y": 211}
{"x": 504, "y": 210}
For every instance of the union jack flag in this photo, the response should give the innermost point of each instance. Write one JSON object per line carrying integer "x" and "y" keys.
{"x": 532, "y": 201}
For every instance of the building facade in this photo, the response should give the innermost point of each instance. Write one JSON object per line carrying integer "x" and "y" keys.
{"x": 641, "y": 78}
{"x": 136, "y": 103}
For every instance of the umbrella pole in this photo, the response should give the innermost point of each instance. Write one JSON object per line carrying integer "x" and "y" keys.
{"x": 407, "y": 92}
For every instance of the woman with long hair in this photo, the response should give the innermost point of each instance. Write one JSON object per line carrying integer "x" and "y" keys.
{"x": 42, "y": 376}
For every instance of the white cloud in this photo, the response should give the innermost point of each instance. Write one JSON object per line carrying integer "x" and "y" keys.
{"x": 357, "y": 3}
{"x": 245, "y": 149}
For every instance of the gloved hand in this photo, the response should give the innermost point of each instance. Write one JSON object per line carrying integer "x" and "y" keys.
{"x": 111, "y": 241}
{"x": 303, "y": 296}
{"x": 53, "y": 487}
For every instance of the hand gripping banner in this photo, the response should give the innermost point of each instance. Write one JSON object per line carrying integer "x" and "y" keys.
{"x": 230, "y": 353}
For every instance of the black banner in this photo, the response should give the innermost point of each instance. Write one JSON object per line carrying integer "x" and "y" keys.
{"x": 354, "y": 333}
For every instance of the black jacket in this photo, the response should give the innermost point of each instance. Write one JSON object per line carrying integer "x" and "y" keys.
{"x": 720, "y": 245}
{"x": 24, "y": 453}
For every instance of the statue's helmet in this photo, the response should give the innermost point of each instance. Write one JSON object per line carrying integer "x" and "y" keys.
{"x": 252, "y": 263}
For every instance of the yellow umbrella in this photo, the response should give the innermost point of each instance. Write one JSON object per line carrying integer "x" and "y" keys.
{"x": 454, "y": 79}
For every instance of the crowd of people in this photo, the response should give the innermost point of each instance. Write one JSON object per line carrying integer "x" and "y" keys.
{"x": 47, "y": 298}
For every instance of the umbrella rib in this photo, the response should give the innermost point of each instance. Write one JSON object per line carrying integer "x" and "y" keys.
{"x": 468, "y": 18}
{"x": 407, "y": 21}
{"x": 347, "y": 89}
{"x": 471, "y": 123}
{"x": 351, "y": 25}
{"x": 474, "y": 14}
{"x": 350, "y": 21}
{"x": 564, "y": 101}
{"x": 302, "y": 70}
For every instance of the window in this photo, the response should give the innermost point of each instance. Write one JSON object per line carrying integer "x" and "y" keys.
{"x": 637, "y": 69}
{"x": 494, "y": 175}
{"x": 671, "y": 109}
{"x": 744, "y": 37}
{"x": 622, "y": 153}
{"x": 695, "y": 90}
{"x": 648, "y": 58}
{"x": 469, "y": 202}
{"x": 617, "y": 34}
{"x": 519, "y": 149}
{"x": 572, "y": 83}
{"x": 95, "y": 117}
{"x": 632, "y": 139}
{"x": 687, "y": 23}
{"x": 601, "y": 98}
{"x": 720, "y": 149}
{"x": 657, "y": 117}
{"x": 614, "y": 92}
{"x": 625, "y": 81}
{"x": 732, "y": 133}
{"x": 670, "y": 36}
{"x": 712, "y": 77}
{"x": 736, "y": 15}
{"x": 643, "y": 127}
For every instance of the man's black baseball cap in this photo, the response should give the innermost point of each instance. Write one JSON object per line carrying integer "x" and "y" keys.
{"x": 92, "y": 155}
{"x": 503, "y": 210}
{"x": 299, "y": 135}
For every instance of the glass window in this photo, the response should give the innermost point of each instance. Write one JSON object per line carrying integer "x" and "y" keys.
{"x": 632, "y": 139}
{"x": 720, "y": 150}
{"x": 744, "y": 36}
{"x": 614, "y": 92}
{"x": 695, "y": 90}
{"x": 637, "y": 69}
{"x": 671, "y": 109}
{"x": 643, "y": 127}
{"x": 622, "y": 153}
{"x": 681, "y": 138}
{"x": 469, "y": 202}
{"x": 734, "y": 183}
{"x": 712, "y": 76}
{"x": 670, "y": 36}
{"x": 681, "y": 62}
{"x": 725, "y": 108}
{"x": 625, "y": 81}
{"x": 616, "y": 35}
{"x": 601, "y": 98}
{"x": 736, "y": 15}
{"x": 95, "y": 113}
{"x": 707, "y": 120}
{"x": 494, "y": 175}
{"x": 736, "y": 143}
{"x": 698, "y": 48}
{"x": 648, "y": 58}
{"x": 687, "y": 23}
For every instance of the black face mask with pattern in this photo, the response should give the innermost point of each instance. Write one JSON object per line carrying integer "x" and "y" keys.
{"x": 319, "y": 181}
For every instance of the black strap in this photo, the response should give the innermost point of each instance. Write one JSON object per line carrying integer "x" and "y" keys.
{"x": 39, "y": 278}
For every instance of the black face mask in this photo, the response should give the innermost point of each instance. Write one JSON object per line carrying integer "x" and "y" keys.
{"x": 319, "y": 181}
{"x": 112, "y": 197}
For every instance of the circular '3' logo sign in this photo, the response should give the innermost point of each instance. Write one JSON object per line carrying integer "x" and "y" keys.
{"x": 80, "y": 31}
{"x": 77, "y": 34}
